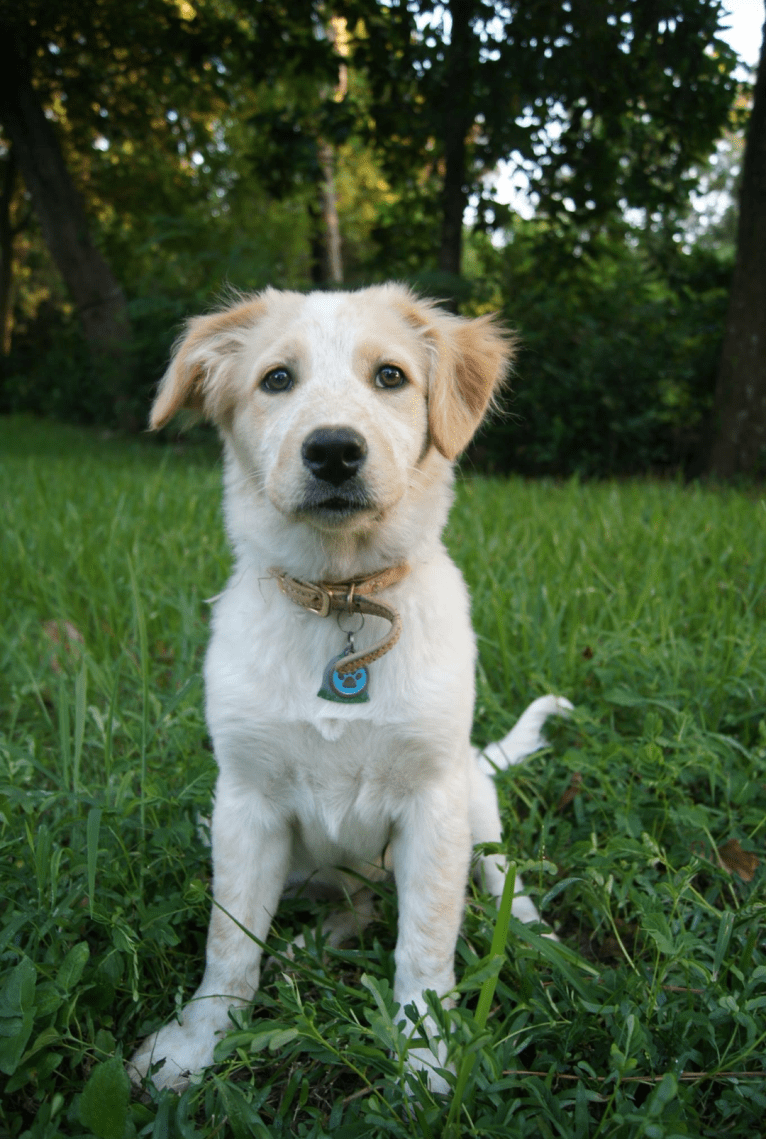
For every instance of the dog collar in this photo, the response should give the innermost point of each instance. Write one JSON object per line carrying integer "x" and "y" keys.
{"x": 354, "y": 595}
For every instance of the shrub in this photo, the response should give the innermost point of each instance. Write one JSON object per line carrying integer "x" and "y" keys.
{"x": 618, "y": 358}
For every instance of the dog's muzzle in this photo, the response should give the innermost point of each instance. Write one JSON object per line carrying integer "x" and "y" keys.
{"x": 334, "y": 458}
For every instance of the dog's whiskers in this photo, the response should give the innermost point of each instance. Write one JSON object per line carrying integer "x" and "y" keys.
{"x": 251, "y": 479}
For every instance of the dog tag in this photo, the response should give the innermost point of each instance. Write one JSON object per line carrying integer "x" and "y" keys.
{"x": 348, "y": 689}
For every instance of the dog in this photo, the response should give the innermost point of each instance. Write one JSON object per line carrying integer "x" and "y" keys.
{"x": 340, "y": 672}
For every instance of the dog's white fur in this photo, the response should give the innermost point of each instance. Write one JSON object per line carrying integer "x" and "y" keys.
{"x": 305, "y": 785}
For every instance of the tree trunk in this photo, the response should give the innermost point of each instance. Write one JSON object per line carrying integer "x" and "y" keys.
{"x": 457, "y": 120}
{"x": 96, "y": 293}
{"x": 317, "y": 242}
{"x": 330, "y": 212}
{"x": 6, "y": 251}
{"x": 739, "y": 446}
{"x": 325, "y": 262}
{"x": 338, "y": 36}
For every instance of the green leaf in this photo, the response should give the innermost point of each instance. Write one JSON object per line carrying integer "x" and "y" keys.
{"x": 486, "y": 969}
{"x": 665, "y": 1092}
{"x": 281, "y": 1037}
{"x": 40, "y": 1067}
{"x": 243, "y": 1118}
{"x": 389, "y": 1035}
{"x": 623, "y": 698}
{"x": 564, "y": 960}
{"x": 656, "y": 925}
{"x": 271, "y": 1036}
{"x": 381, "y": 994}
{"x": 105, "y": 1100}
{"x": 72, "y": 966}
{"x": 556, "y": 890}
{"x": 17, "y": 998}
{"x": 725, "y": 929}
{"x": 47, "y": 999}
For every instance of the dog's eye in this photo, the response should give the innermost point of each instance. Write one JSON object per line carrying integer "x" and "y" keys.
{"x": 390, "y": 377}
{"x": 277, "y": 380}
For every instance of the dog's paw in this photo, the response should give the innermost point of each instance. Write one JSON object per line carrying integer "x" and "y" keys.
{"x": 184, "y": 1051}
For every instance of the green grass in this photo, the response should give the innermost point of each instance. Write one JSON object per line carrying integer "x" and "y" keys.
{"x": 642, "y": 602}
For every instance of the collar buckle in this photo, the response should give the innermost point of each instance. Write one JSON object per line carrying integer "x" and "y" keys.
{"x": 321, "y": 603}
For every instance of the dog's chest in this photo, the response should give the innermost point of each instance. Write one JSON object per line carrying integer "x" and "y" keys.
{"x": 293, "y": 765}
{"x": 340, "y": 797}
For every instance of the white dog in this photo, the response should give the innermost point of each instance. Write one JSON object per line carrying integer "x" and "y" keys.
{"x": 341, "y": 415}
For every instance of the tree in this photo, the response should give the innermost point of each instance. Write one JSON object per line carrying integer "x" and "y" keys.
{"x": 153, "y": 77}
{"x": 9, "y": 230}
{"x": 740, "y": 402}
{"x": 602, "y": 106}
{"x": 35, "y": 146}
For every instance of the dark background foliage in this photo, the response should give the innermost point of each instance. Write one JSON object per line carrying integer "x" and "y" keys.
{"x": 617, "y": 363}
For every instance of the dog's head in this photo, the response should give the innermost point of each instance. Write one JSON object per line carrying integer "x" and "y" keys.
{"x": 334, "y": 403}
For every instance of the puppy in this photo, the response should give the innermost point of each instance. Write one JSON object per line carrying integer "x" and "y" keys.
{"x": 340, "y": 673}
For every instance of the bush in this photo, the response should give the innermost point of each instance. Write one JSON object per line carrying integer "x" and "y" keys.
{"x": 618, "y": 358}
{"x": 50, "y": 371}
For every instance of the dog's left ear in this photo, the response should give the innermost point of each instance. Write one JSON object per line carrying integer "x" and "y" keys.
{"x": 471, "y": 359}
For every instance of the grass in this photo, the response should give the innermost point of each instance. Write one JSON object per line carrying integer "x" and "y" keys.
{"x": 640, "y": 830}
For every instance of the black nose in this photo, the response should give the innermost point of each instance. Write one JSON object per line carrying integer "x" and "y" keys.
{"x": 334, "y": 454}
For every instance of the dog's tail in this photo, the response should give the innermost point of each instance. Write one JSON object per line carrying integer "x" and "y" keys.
{"x": 525, "y": 737}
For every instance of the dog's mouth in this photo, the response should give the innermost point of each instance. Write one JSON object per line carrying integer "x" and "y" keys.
{"x": 322, "y": 500}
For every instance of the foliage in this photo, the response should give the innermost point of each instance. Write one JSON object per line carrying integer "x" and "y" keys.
{"x": 619, "y": 348}
{"x": 174, "y": 273}
{"x": 597, "y": 107}
{"x": 149, "y": 102}
{"x": 638, "y": 830}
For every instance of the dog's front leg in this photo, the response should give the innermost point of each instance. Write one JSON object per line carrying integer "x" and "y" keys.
{"x": 431, "y": 855}
{"x": 251, "y": 851}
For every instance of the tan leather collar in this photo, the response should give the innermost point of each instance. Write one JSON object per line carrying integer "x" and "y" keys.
{"x": 354, "y": 595}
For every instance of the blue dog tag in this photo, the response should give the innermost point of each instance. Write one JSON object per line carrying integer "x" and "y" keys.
{"x": 348, "y": 689}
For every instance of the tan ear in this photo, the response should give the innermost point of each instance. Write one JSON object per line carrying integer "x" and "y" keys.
{"x": 201, "y": 377}
{"x": 471, "y": 359}
{"x": 472, "y": 362}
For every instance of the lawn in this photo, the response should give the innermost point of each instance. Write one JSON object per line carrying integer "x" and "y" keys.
{"x": 641, "y": 829}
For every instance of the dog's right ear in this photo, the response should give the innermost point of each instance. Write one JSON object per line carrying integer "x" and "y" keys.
{"x": 201, "y": 375}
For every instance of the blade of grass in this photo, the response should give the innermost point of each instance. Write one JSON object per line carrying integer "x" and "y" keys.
{"x": 486, "y": 993}
{"x": 144, "y": 671}
{"x": 80, "y": 697}
{"x": 65, "y": 740}
{"x": 109, "y": 727}
{"x": 93, "y": 827}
